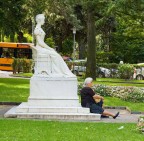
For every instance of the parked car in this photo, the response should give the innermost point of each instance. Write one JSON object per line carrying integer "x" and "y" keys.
{"x": 78, "y": 70}
{"x": 106, "y": 72}
{"x": 78, "y": 67}
{"x": 139, "y": 72}
{"x": 100, "y": 71}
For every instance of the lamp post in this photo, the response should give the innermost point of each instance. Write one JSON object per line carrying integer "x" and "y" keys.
{"x": 33, "y": 24}
{"x": 74, "y": 33}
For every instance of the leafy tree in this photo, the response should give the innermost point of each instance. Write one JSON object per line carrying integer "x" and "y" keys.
{"x": 68, "y": 47}
{"x": 93, "y": 10}
{"x": 11, "y": 12}
{"x": 127, "y": 42}
{"x": 50, "y": 42}
{"x": 117, "y": 23}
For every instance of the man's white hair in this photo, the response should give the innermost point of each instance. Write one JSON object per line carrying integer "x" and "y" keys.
{"x": 87, "y": 81}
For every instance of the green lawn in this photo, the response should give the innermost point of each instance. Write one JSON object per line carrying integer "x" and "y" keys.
{"x": 17, "y": 90}
{"x": 113, "y": 101}
{"x": 116, "y": 82}
{"x": 37, "y": 130}
{"x": 14, "y": 89}
{"x": 22, "y": 75}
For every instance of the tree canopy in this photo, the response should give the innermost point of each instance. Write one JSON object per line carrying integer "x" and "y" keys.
{"x": 113, "y": 29}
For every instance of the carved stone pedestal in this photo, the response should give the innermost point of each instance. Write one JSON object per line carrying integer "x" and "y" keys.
{"x": 53, "y": 92}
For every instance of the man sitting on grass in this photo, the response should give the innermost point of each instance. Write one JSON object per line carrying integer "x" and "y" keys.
{"x": 93, "y": 101}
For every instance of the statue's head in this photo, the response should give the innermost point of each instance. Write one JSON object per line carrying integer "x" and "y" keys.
{"x": 40, "y": 18}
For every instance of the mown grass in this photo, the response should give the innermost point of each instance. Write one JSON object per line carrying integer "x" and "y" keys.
{"x": 14, "y": 89}
{"x": 22, "y": 75}
{"x": 37, "y": 130}
{"x": 113, "y": 101}
{"x": 116, "y": 82}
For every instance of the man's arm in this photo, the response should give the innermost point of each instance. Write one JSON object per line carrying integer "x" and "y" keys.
{"x": 97, "y": 98}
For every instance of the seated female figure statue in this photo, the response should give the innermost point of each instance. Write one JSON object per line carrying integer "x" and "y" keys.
{"x": 58, "y": 66}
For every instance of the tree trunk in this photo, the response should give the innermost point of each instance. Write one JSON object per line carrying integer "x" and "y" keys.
{"x": 82, "y": 49}
{"x": 91, "y": 50}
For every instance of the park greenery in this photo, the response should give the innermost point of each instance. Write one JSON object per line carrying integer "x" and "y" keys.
{"x": 22, "y": 65}
{"x": 17, "y": 90}
{"x": 38, "y": 130}
{"x": 107, "y": 31}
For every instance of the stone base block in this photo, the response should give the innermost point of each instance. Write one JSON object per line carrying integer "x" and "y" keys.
{"x": 53, "y": 92}
{"x": 75, "y": 115}
{"x": 53, "y": 102}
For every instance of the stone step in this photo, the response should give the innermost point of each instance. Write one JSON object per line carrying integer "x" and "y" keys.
{"x": 25, "y": 108}
{"x": 53, "y": 116}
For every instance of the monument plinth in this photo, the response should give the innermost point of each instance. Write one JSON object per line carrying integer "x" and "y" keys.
{"x": 53, "y": 92}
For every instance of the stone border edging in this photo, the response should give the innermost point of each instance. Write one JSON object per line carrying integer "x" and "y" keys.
{"x": 124, "y": 108}
{"x": 10, "y": 103}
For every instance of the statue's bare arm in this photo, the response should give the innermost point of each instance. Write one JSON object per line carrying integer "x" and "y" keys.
{"x": 42, "y": 43}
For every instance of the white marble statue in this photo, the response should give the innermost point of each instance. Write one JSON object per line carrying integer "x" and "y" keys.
{"x": 57, "y": 65}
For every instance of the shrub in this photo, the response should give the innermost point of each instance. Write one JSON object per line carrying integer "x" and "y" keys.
{"x": 26, "y": 65}
{"x": 108, "y": 65}
{"x": 125, "y": 71}
{"x": 132, "y": 94}
{"x": 22, "y": 65}
{"x": 136, "y": 95}
{"x": 100, "y": 89}
{"x": 17, "y": 65}
{"x": 140, "y": 125}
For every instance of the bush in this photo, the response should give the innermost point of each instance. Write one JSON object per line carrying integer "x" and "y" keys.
{"x": 26, "y": 65}
{"x": 17, "y": 65}
{"x": 22, "y": 65}
{"x": 108, "y": 65}
{"x": 136, "y": 95}
{"x": 132, "y": 94}
{"x": 140, "y": 125}
{"x": 125, "y": 71}
{"x": 100, "y": 89}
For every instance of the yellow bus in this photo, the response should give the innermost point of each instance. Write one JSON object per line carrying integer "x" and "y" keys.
{"x": 8, "y": 51}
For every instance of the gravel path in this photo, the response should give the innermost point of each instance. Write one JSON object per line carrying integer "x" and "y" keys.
{"x": 5, "y": 74}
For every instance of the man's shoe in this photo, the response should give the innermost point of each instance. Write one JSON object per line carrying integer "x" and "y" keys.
{"x": 116, "y": 115}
